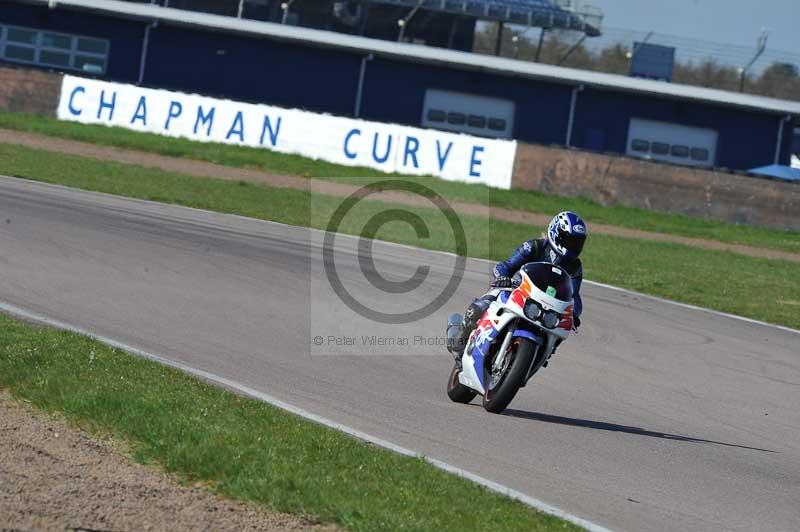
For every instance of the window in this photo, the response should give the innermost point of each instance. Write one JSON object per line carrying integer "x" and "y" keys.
{"x": 680, "y": 151}
{"x": 21, "y": 36}
{"x": 640, "y": 145}
{"x": 47, "y": 57}
{"x": 436, "y": 115}
{"x": 497, "y": 124}
{"x": 54, "y": 40}
{"x": 19, "y": 53}
{"x": 92, "y": 46}
{"x": 699, "y": 154}
{"x": 457, "y": 119}
{"x": 476, "y": 121}
{"x": 660, "y": 148}
{"x": 70, "y": 52}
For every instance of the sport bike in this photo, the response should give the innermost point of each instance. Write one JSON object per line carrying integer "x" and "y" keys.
{"x": 514, "y": 337}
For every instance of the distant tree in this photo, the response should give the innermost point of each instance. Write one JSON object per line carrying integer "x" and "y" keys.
{"x": 485, "y": 35}
{"x": 779, "y": 80}
{"x": 707, "y": 74}
{"x": 614, "y": 60}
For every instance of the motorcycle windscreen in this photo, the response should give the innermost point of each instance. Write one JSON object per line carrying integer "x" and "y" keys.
{"x": 550, "y": 279}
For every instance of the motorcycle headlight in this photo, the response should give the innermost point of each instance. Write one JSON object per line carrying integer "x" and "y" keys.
{"x": 551, "y": 319}
{"x": 532, "y": 310}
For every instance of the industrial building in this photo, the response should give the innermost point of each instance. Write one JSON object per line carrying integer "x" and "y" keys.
{"x": 383, "y": 80}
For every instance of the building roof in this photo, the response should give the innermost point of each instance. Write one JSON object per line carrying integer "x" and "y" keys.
{"x": 430, "y": 55}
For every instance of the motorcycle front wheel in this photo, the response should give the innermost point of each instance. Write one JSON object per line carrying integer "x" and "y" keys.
{"x": 457, "y": 392}
{"x": 503, "y": 383}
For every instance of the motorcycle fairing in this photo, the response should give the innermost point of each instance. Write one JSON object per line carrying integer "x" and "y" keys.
{"x": 509, "y": 305}
{"x": 481, "y": 339}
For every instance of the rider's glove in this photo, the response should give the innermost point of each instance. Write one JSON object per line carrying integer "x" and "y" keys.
{"x": 502, "y": 282}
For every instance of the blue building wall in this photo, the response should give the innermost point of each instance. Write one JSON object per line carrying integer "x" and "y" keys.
{"x": 325, "y": 80}
{"x": 395, "y": 91}
{"x": 253, "y": 69}
{"x": 746, "y": 139}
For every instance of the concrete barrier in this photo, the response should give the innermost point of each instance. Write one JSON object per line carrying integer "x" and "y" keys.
{"x": 616, "y": 180}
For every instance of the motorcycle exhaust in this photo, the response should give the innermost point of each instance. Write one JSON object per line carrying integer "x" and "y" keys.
{"x": 453, "y": 326}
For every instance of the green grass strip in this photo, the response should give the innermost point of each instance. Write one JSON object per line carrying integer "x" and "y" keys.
{"x": 237, "y": 156}
{"x": 244, "y": 448}
{"x": 757, "y": 288}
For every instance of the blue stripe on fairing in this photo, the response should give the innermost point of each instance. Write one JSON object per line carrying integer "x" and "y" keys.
{"x": 479, "y": 355}
{"x": 477, "y": 363}
{"x": 504, "y": 296}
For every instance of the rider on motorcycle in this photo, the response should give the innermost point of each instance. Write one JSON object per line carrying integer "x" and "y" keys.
{"x": 562, "y": 245}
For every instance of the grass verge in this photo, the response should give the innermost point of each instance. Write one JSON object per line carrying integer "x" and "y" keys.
{"x": 243, "y": 448}
{"x": 237, "y": 156}
{"x": 713, "y": 279}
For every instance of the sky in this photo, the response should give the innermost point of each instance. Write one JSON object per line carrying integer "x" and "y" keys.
{"x": 737, "y": 22}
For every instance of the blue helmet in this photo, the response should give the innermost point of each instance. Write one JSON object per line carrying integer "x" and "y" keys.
{"x": 566, "y": 235}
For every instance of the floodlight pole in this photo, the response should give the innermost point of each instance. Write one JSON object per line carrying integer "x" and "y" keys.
{"x": 404, "y": 21}
{"x": 539, "y": 48}
{"x": 452, "y": 34}
{"x": 571, "y": 50}
{"x": 762, "y": 45}
{"x": 498, "y": 43}
{"x": 285, "y": 7}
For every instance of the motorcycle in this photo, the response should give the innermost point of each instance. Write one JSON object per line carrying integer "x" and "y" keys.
{"x": 514, "y": 338}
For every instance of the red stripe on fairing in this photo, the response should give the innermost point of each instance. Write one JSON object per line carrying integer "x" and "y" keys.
{"x": 566, "y": 321}
{"x": 518, "y": 298}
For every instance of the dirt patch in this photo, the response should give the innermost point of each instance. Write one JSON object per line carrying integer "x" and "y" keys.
{"x": 53, "y": 477}
{"x": 212, "y": 170}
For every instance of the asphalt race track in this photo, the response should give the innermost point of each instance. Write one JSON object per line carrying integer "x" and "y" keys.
{"x": 655, "y": 417}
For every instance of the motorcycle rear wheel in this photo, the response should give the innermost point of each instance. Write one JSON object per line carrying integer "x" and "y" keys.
{"x": 521, "y": 351}
{"x": 457, "y": 392}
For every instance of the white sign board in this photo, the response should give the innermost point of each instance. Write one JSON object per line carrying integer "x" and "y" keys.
{"x": 345, "y": 141}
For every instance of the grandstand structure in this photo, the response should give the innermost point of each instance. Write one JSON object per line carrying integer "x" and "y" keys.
{"x": 536, "y": 13}
{"x": 442, "y": 23}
